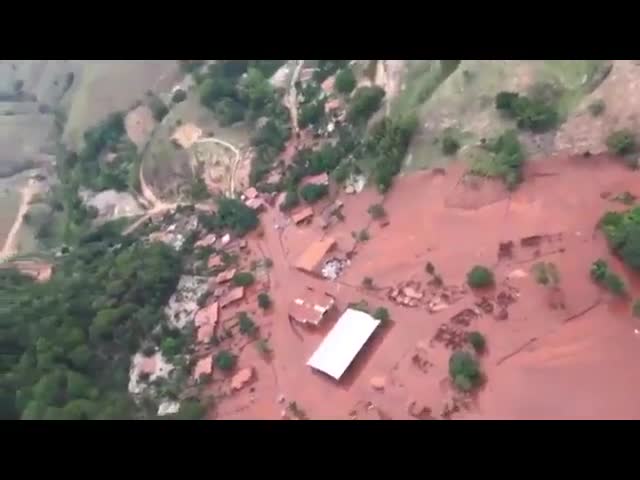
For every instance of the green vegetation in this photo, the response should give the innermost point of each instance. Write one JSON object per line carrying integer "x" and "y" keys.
{"x": 311, "y": 113}
{"x": 236, "y": 216}
{"x": 364, "y": 103}
{"x": 311, "y": 193}
{"x": 502, "y": 157}
{"x": 243, "y": 279}
{"x": 381, "y": 314}
{"x": 635, "y": 309}
{"x": 225, "y": 360}
{"x": 179, "y": 96}
{"x": 622, "y": 230}
{"x": 326, "y": 68}
{"x": 464, "y": 370}
{"x": 268, "y": 141}
{"x": 264, "y": 300}
{"x": 621, "y": 142}
{"x": 67, "y": 343}
{"x": 362, "y": 235}
{"x": 450, "y": 145}
{"x": 263, "y": 347}
{"x": 158, "y": 109}
{"x": 246, "y": 325}
{"x": 291, "y": 201}
{"x": 480, "y": 277}
{"x": 535, "y": 113}
{"x": 597, "y": 107}
{"x": 602, "y": 275}
{"x": 387, "y": 145}
{"x": 345, "y": 81}
{"x": 477, "y": 341}
{"x": 546, "y": 273}
{"x": 377, "y": 211}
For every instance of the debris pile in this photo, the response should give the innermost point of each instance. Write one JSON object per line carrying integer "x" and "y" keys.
{"x": 333, "y": 268}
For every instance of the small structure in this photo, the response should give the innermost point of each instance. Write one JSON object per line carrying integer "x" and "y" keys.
{"x": 206, "y": 241}
{"x": 186, "y": 135}
{"x": 205, "y": 332}
{"x": 342, "y": 344}
{"x": 255, "y": 204}
{"x": 251, "y": 193}
{"x": 310, "y": 306}
{"x": 320, "y": 179}
{"x": 313, "y": 255}
{"x": 302, "y": 215}
{"x": 207, "y": 315}
{"x": 232, "y": 296}
{"x": 225, "y": 276}
{"x": 204, "y": 367}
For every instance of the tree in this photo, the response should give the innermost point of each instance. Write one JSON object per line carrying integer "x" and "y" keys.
{"x": 311, "y": 114}
{"x": 311, "y": 192}
{"x": 615, "y": 284}
{"x": 291, "y": 200}
{"x": 243, "y": 279}
{"x": 377, "y": 211}
{"x": 158, "y": 109}
{"x": 214, "y": 89}
{"x": 597, "y": 108}
{"x": 235, "y": 215}
{"x": 464, "y": 370}
{"x": 190, "y": 410}
{"x": 381, "y": 314}
{"x": 179, "y": 96}
{"x": 477, "y": 341}
{"x": 450, "y": 145}
{"x": 246, "y": 324}
{"x": 480, "y": 277}
{"x": 364, "y": 103}
{"x": 345, "y": 81}
{"x": 225, "y": 360}
{"x": 264, "y": 301}
{"x": 621, "y": 142}
{"x": 367, "y": 282}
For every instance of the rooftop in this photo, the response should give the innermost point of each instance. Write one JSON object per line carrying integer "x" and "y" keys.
{"x": 313, "y": 255}
{"x": 232, "y": 296}
{"x": 203, "y": 367}
{"x": 343, "y": 343}
{"x": 302, "y": 215}
{"x": 310, "y": 306}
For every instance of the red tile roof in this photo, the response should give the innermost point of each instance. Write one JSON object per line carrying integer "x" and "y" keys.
{"x": 310, "y": 306}
{"x": 232, "y": 296}
{"x": 313, "y": 255}
{"x": 302, "y": 215}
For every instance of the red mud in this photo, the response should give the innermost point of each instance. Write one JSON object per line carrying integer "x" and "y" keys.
{"x": 583, "y": 368}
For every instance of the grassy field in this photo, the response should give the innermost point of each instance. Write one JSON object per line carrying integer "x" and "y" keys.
{"x": 107, "y": 86}
{"x": 465, "y": 100}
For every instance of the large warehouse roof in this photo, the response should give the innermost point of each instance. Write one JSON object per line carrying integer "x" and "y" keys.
{"x": 342, "y": 344}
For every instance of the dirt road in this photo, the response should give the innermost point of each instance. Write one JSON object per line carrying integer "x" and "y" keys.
{"x": 10, "y": 245}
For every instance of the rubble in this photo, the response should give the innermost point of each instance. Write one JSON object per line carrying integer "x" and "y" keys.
{"x": 464, "y": 317}
{"x": 333, "y": 268}
{"x": 183, "y": 305}
{"x": 419, "y": 410}
{"x": 485, "y": 305}
{"x": 241, "y": 378}
{"x": 168, "y": 408}
{"x": 377, "y": 383}
{"x": 452, "y": 338}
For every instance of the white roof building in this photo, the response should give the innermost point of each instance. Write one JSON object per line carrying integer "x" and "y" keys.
{"x": 343, "y": 342}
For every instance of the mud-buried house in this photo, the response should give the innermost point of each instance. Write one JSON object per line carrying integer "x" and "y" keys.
{"x": 310, "y": 307}
{"x": 312, "y": 257}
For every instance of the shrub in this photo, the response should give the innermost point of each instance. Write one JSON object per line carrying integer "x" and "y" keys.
{"x": 480, "y": 277}
{"x": 381, "y": 314}
{"x": 243, "y": 279}
{"x": 364, "y": 103}
{"x": 179, "y": 96}
{"x": 449, "y": 145}
{"x": 477, "y": 341}
{"x": 158, "y": 109}
{"x": 504, "y": 158}
{"x": 546, "y": 273}
{"x": 362, "y": 306}
{"x": 311, "y": 114}
{"x": 635, "y": 309}
{"x": 291, "y": 200}
{"x": 621, "y": 142}
{"x": 367, "y": 282}
{"x": 464, "y": 370}
{"x": 597, "y": 108}
{"x": 345, "y": 81}
{"x": 363, "y": 236}
{"x": 599, "y": 270}
{"x": 264, "y": 301}
{"x": 263, "y": 346}
{"x": 246, "y": 325}
{"x": 622, "y": 230}
{"x": 615, "y": 284}
{"x": 267, "y": 263}
{"x": 311, "y": 193}
{"x": 225, "y": 360}
{"x": 531, "y": 113}
{"x": 429, "y": 268}
{"x": 377, "y": 211}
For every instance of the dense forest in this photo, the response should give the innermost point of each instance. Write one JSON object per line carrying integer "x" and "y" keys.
{"x": 66, "y": 345}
